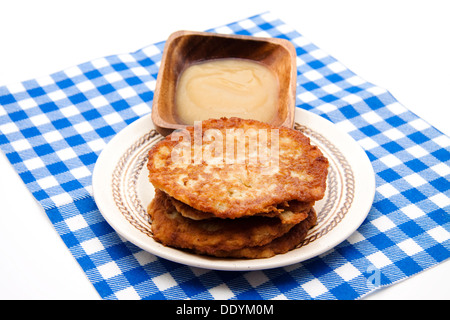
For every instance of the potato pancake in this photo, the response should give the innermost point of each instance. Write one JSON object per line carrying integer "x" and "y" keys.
{"x": 211, "y": 235}
{"x": 243, "y": 237}
{"x": 289, "y": 241}
{"x": 232, "y": 168}
{"x": 288, "y": 212}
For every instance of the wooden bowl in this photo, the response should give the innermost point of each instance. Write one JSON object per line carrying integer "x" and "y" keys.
{"x": 184, "y": 48}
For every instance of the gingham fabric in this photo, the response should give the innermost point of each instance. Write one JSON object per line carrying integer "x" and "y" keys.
{"x": 53, "y": 129}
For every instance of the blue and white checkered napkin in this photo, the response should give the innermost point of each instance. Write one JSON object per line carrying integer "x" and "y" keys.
{"x": 53, "y": 129}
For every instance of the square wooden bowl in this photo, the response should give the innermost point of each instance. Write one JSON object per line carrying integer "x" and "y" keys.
{"x": 184, "y": 48}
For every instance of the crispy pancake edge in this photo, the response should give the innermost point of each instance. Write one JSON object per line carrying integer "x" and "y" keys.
{"x": 288, "y": 211}
{"x": 283, "y": 244}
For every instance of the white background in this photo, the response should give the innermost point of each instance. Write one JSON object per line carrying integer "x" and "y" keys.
{"x": 403, "y": 46}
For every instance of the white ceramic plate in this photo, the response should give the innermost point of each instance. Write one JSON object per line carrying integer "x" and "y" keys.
{"x": 122, "y": 192}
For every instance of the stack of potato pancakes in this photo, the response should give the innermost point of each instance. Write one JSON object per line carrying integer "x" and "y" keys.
{"x": 235, "y": 188}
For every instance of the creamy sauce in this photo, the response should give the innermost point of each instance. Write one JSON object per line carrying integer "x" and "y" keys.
{"x": 226, "y": 88}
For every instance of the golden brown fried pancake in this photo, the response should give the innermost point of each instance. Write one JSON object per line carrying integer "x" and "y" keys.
{"x": 288, "y": 212}
{"x": 230, "y": 185}
{"x": 283, "y": 244}
{"x": 211, "y": 236}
